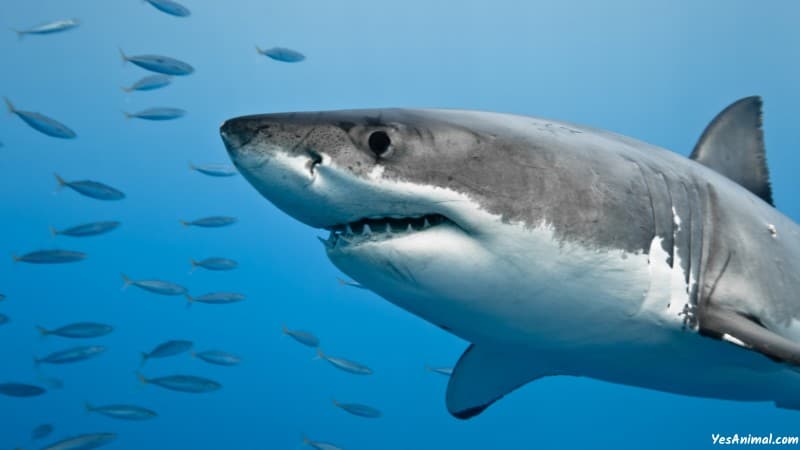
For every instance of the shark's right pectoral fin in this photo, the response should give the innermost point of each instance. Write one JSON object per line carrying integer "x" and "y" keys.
{"x": 484, "y": 375}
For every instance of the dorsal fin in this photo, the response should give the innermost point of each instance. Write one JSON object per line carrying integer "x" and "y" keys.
{"x": 733, "y": 145}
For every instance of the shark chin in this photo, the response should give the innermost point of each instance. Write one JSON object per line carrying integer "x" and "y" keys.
{"x": 553, "y": 249}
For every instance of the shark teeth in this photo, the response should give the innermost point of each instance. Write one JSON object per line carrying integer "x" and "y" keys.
{"x": 375, "y": 228}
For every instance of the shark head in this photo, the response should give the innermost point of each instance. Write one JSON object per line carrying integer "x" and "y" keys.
{"x": 441, "y": 212}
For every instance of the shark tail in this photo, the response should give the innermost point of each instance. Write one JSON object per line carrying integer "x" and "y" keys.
{"x": 141, "y": 378}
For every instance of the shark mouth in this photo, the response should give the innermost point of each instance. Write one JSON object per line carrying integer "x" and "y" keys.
{"x": 382, "y": 228}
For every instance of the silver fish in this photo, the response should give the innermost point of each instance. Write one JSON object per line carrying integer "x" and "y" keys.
{"x": 87, "y": 229}
{"x": 216, "y": 298}
{"x": 358, "y": 409}
{"x": 78, "y": 330}
{"x": 319, "y": 445}
{"x": 71, "y": 355}
{"x": 157, "y": 114}
{"x": 182, "y": 383}
{"x": 170, "y": 7}
{"x": 42, "y": 431}
{"x": 41, "y": 123}
{"x": 167, "y": 349}
{"x": 159, "y": 64}
{"x": 216, "y": 264}
{"x": 55, "y": 26}
{"x": 210, "y": 222}
{"x": 149, "y": 83}
{"x": 54, "y": 256}
{"x": 93, "y": 189}
{"x": 215, "y": 170}
{"x": 446, "y": 371}
{"x": 282, "y": 54}
{"x": 344, "y": 364}
{"x": 217, "y": 357}
{"x": 303, "y": 337}
{"x": 155, "y": 286}
{"x": 83, "y": 442}
{"x": 20, "y": 390}
{"x": 4, "y": 319}
{"x": 344, "y": 282}
{"x": 123, "y": 412}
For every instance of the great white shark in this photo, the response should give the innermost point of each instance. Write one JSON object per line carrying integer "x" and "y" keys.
{"x": 553, "y": 248}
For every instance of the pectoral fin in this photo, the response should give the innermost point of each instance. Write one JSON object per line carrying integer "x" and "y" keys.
{"x": 484, "y": 375}
{"x": 748, "y": 332}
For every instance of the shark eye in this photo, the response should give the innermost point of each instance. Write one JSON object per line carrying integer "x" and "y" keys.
{"x": 380, "y": 143}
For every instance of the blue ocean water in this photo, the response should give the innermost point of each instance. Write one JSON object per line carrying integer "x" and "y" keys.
{"x": 657, "y": 71}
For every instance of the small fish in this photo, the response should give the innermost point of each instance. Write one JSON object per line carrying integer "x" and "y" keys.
{"x": 215, "y": 170}
{"x": 87, "y": 229}
{"x": 282, "y": 54}
{"x": 216, "y": 264}
{"x": 55, "y": 26}
{"x": 157, "y": 114}
{"x": 83, "y": 442}
{"x": 4, "y": 319}
{"x": 149, "y": 83}
{"x": 182, "y": 383}
{"x": 20, "y": 390}
{"x": 346, "y": 365}
{"x": 303, "y": 337}
{"x": 210, "y": 222}
{"x": 167, "y": 349}
{"x": 446, "y": 371}
{"x": 123, "y": 412}
{"x": 170, "y": 7}
{"x": 159, "y": 64}
{"x": 78, "y": 330}
{"x": 71, "y": 355}
{"x": 357, "y": 409}
{"x": 344, "y": 282}
{"x": 217, "y": 357}
{"x": 54, "y": 256}
{"x": 93, "y": 189}
{"x": 216, "y": 298}
{"x": 319, "y": 445}
{"x": 42, "y": 123}
{"x": 42, "y": 431}
{"x": 155, "y": 286}
{"x": 52, "y": 383}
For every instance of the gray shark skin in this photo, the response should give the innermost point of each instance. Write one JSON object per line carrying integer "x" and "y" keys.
{"x": 553, "y": 248}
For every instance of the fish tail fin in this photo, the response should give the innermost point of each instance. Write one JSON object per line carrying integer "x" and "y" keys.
{"x": 259, "y": 50}
{"x": 125, "y": 281}
{"x": 141, "y": 378}
{"x": 36, "y": 362}
{"x": 127, "y": 114}
{"x": 184, "y": 223}
{"x": 42, "y": 331}
{"x": 59, "y": 180}
{"x": 16, "y": 258}
{"x": 145, "y": 357}
{"x": 10, "y": 106}
{"x": 194, "y": 265}
{"x": 192, "y": 166}
{"x": 88, "y": 406}
{"x": 53, "y": 231}
{"x": 122, "y": 55}
{"x": 193, "y": 354}
{"x": 189, "y": 298}
{"x": 126, "y": 89}
{"x": 284, "y": 330}
{"x": 305, "y": 439}
{"x": 320, "y": 354}
{"x": 335, "y": 403}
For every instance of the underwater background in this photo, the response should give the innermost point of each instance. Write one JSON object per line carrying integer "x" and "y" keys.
{"x": 653, "y": 70}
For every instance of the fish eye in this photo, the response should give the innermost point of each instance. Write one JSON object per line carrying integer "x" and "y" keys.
{"x": 380, "y": 143}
